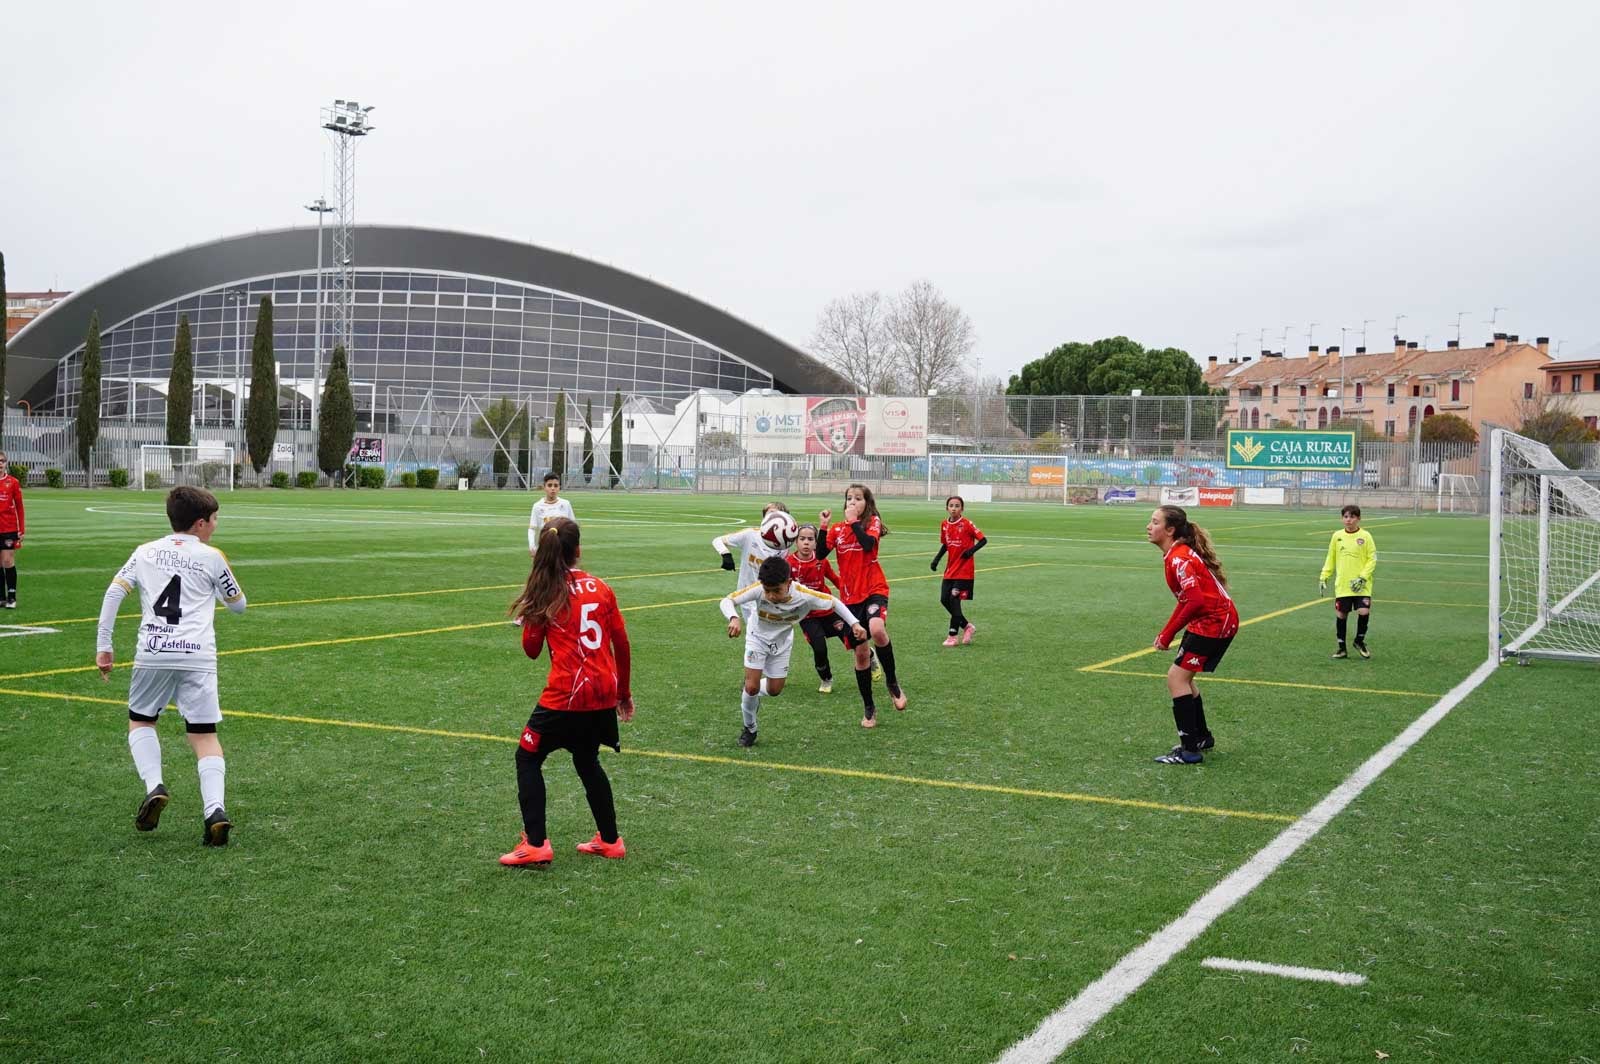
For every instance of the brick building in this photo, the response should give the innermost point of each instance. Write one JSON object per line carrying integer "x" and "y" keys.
{"x": 1579, "y": 381}
{"x": 23, "y": 307}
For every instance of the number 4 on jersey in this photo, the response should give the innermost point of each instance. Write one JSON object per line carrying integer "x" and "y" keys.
{"x": 168, "y": 606}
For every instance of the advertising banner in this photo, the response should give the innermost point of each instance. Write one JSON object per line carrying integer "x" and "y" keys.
{"x": 367, "y": 450}
{"x": 1215, "y": 496}
{"x": 1262, "y": 496}
{"x": 1180, "y": 496}
{"x": 1120, "y": 495}
{"x": 897, "y": 426}
{"x": 775, "y": 424}
{"x": 1083, "y": 496}
{"x": 1046, "y": 476}
{"x": 283, "y": 452}
{"x": 835, "y": 425}
{"x": 1291, "y": 450}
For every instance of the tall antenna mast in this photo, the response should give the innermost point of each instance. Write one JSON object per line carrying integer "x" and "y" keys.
{"x": 346, "y": 120}
{"x": 1311, "y": 333}
{"x": 1459, "y": 315}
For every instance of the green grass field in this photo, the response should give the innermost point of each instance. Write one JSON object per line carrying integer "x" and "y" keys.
{"x": 928, "y": 891}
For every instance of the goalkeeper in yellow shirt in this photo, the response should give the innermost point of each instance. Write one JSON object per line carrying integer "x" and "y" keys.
{"x": 1352, "y": 559}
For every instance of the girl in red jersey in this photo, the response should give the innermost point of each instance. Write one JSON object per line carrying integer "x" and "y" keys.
{"x": 818, "y": 625}
{"x": 1206, "y": 610}
{"x": 11, "y": 529}
{"x": 585, "y": 695}
{"x": 855, "y": 541}
{"x": 962, "y": 539}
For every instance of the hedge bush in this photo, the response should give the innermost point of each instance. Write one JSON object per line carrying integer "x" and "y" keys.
{"x": 306, "y": 478}
{"x": 373, "y": 476}
{"x": 280, "y": 479}
{"x": 469, "y": 469}
{"x": 20, "y": 471}
{"x": 152, "y": 480}
{"x": 408, "y": 480}
{"x": 53, "y": 478}
{"x": 118, "y": 477}
{"x": 427, "y": 478}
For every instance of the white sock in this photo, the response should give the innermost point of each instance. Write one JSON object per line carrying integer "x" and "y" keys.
{"x": 767, "y": 690}
{"x": 145, "y": 746}
{"x": 749, "y": 705}
{"x": 212, "y": 771}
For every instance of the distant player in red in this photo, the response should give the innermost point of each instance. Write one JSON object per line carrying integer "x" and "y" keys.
{"x": 1206, "y": 610}
{"x": 585, "y": 695}
{"x": 961, "y": 539}
{"x": 12, "y": 525}
{"x": 854, "y": 541}
{"x": 818, "y": 626}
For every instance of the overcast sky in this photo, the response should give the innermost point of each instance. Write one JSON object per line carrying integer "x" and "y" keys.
{"x": 1176, "y": 173}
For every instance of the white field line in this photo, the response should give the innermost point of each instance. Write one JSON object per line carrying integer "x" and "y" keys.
{"x": 1288, "y": 971}
{"x": 11, "y": 631}
{"x": 229, "y": 514}
{"x": 1073, "y": 1020}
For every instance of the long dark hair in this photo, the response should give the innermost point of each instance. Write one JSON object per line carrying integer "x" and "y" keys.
{"x": 869, "y": 504}
{"x": 544, "y": 597}
{"x": 1185, "y": 531}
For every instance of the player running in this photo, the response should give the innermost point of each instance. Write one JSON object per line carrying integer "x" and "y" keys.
{"x": 180, "y": 579}
{"x": 773, "y": 607}
{"x": 586, "y": 693}
{"x": 547, "y": 509}
{"x": 12, "y": 525}
{"x": 962, "y": 539}
{"x": 866, "y": 591}
{"x": 1353, "y": 554}
{"x": 1206, "y": 610}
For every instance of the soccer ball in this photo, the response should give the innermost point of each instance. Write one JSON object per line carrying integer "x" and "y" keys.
{"x": 780, "y": 529}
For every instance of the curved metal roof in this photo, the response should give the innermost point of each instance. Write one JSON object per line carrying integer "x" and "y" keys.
{"x": 33, "y": 353}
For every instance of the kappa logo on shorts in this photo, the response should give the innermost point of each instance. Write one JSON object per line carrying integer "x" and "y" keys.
{"x": 1194, "y": 659}
{"x": 872, "y": 610}
{"x": 530, "y": 740}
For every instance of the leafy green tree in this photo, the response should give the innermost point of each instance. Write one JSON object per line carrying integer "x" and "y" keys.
{"x": 180, "y": 386}
{"x": 505, "y": 422}
{"x": 1115, "y": 365}
{"x": 616, "y": 439}
{"x": 2, "y": 346}
{"x": 588, "y": 441}
{"x": 261, "y": 415}
{"x": 337, "y": 418}
{"x": 558, "y": 438}
{"x": 1448, "y": 428}
{"x": 88, "y": 422}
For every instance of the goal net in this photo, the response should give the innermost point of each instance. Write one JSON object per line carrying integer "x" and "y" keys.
{"x": 1544, "y": 554}
{"x": 206, "y": 466}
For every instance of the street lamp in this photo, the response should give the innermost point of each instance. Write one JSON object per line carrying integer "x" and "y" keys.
{"x": 320, "y": 208}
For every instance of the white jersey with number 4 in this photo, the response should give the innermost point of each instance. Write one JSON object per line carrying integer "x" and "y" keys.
{"x": 180, "y": 580}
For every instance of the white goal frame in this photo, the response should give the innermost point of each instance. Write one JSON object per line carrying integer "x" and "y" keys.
{"x": 159, "y": 457}
{"x": 1449, "y": 483}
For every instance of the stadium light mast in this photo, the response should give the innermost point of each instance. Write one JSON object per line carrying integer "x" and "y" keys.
{"x": 320, "y": 208}
{"x": 346, "y": 120}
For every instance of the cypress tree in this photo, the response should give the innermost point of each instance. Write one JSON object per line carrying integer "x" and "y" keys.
{"x": 2, "y": 347}
{"x": 588, "y": 441}
{"x": 337, "y": 418}
{"x": 180, "y": 386}
{"x": 88, "y": 421}
{"x": 261, "y": 415}
{"x": 616, "y": 439}
{"x": 558, "y": 438}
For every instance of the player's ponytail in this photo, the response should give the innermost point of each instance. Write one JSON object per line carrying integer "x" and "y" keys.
{"x": 1185, "y": 531}
{"x": 544, "y": 597}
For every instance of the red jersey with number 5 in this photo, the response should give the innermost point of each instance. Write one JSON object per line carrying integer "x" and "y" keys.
{"x": 584, "y": 673}
{"x": 1204, "y": 605}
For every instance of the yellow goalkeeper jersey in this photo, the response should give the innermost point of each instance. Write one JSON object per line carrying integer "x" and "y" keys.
{"x": 1351, "y": 556}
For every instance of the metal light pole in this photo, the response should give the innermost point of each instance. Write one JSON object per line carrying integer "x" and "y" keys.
{"x": 237, "y": 298}
{"x": 320, "y": 208}
{"x": 346, "y": 120}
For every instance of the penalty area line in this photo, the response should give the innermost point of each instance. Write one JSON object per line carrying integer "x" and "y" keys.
{"x": 1072, "y": 1021}
{"x": 1278, "y": 683}
{"x": 1288, "y": 971}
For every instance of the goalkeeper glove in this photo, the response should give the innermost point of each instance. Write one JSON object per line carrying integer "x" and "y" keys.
{"x": 1358, "y": 585}
{"x": 727, "y": 562}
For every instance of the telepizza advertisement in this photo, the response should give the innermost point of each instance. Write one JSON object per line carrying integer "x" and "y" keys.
{"x": 1216, "y": 496}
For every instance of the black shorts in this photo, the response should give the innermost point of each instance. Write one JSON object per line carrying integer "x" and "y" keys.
{"x": 1201, "y": 653}
{"x": 9, "y": 540}
{"x": 958, "y": 589}
{"x": 865, "y": 610}
{"x": 1351, "y": 603}
{"x": 822, "y": 629}
{"x": 581, "y": 731}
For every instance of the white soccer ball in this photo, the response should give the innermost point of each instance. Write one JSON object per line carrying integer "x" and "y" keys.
{"x": 780, "y": 529}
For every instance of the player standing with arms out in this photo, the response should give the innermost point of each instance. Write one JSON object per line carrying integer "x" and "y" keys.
{"x": 1206, "y": 610}
{"x": 586, "y": 693}
{"x": 773, "y": 606}
{"x": 819, "y": 625}
{"x": 866, "y": 591}
{"x": 546, "y": 510}
{"x": 1353, "y": 554}
{"x": 180, "y": 579}
{"x": 12, "y": 525}
{"x": 962, "y": 539}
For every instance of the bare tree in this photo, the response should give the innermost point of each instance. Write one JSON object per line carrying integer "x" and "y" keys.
{"x": 850, "y": 337}
{"x": 930, "y": 339}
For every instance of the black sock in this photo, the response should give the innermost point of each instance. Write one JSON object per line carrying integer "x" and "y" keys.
{"x": 1183, "y": 715}
{"x": 952, "y": 606}
{"x": 1361, "y": 624}
{"x": 1341, "y": 625}
{"x": 11, "y": 582}
{"x": 1200, "y": 717}
{"x": 957, "y": 618}
{"x": 864, "y": 682}
{"x": 886, "y": 655}
{"x": 597, "y": 788}
{"x": 819, "y": 655}
{"x": 530, "y": 794}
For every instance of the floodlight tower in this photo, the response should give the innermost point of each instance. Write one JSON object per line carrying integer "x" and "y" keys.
{"x": 346, "y": 120}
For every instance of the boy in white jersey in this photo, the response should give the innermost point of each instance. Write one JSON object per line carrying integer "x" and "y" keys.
{"x": 180, "y": 578}
{"x": 773, "y": 607}
{"x": 546, "y": 509}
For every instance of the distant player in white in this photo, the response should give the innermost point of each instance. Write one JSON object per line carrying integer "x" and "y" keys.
{"x": 773, "y": 606}
{"x": 547, "y": 508}
{"x": 180, "y": 579}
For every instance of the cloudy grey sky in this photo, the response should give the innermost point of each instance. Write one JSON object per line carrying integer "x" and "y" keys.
{"x": 1177, "y": 172}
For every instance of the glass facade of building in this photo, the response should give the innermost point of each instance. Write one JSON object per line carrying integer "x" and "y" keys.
{"x": 415, "y": 332}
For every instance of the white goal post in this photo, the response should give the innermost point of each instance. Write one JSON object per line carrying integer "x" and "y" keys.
{"x": 208, "y": 465}
{"x": 1544, "y": 554}
{"x": 1452, "y": 485}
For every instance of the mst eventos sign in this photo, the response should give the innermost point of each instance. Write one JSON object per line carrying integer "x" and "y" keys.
{"x": 1291, "y": 450}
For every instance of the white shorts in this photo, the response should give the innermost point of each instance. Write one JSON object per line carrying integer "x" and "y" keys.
{"x": 770, "y": 654}
{"x": 195, "y": 693}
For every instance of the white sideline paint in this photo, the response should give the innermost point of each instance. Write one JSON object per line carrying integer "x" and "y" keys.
{"x": 1072, "y": 1021}
{"x": 1288, "y": 971}
{"x": 10, "y": 631}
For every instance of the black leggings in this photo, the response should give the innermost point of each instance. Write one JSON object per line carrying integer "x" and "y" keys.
{"x": 596, "y": 787}
{"x": 816, "y": 633}
{"x": 952, "y": 602}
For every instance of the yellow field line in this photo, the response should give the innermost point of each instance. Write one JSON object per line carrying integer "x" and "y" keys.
{"x": 1152, "y": 650}
{"x": 1276, "y": 683}
{"x": 711, "y": 759}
